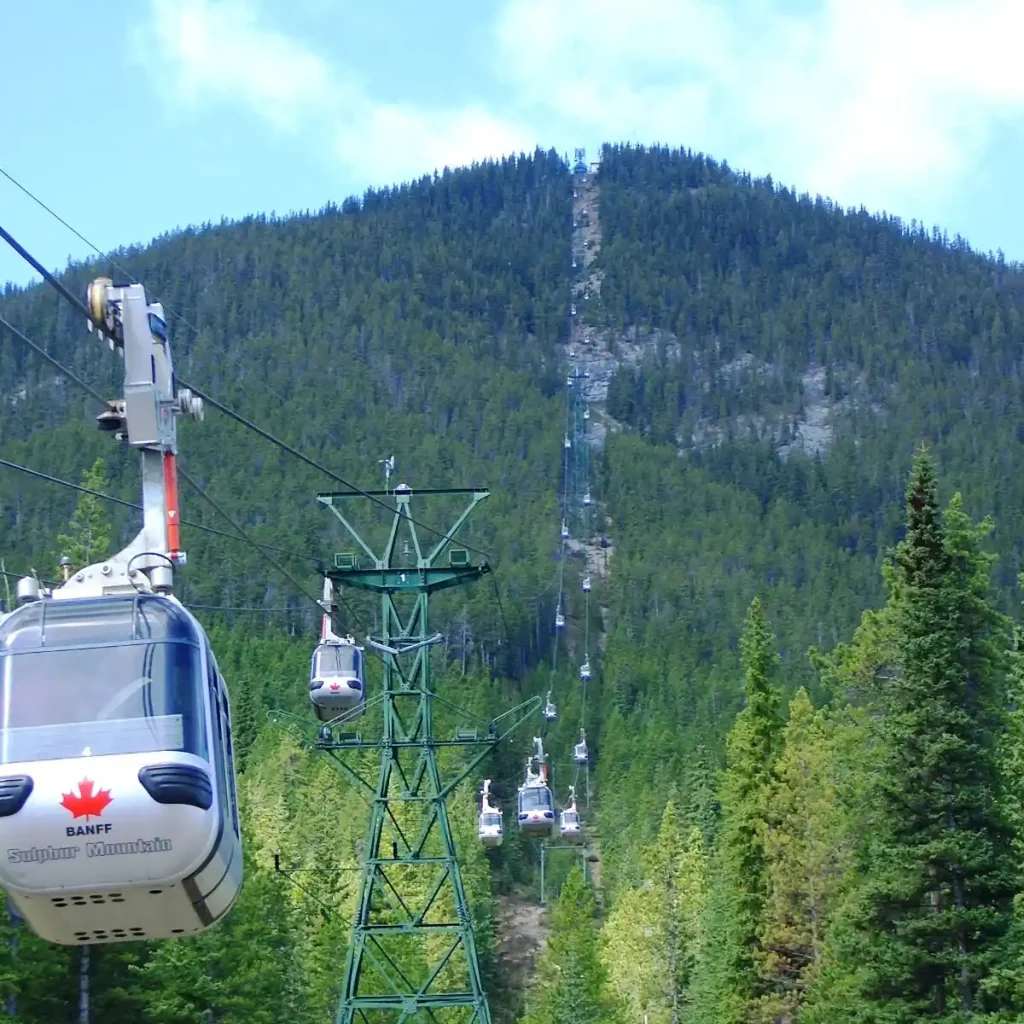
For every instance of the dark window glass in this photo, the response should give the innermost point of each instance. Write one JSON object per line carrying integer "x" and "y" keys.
{"x": 109, "y": 699}
{"x": 229, "y": 749}
{"x": 158, "y": 327}
{"x": 490, "y": 820}
{"x": 335, "y": 660}
{"x": 96, "y": 620}
{"x": 534, "y": 798}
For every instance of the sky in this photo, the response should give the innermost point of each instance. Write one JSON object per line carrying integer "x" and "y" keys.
{"x": 163, "y": 113}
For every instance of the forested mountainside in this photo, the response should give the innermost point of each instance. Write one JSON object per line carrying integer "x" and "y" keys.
{"x": 783, "y": 837}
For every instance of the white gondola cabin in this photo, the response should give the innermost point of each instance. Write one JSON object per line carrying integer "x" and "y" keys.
{"x": 569, "y": 821}
{"x": 580, "y": 754}
{"x": 535, "y": 808}
{"x": 564, "y": 532}
{"x": 567, "y": 444}
{"x": 489, "y": 830}
{"x": 118, "y": 808}
{"x": 586, "y": 584}
{"x": 559, "y": 619}
{"x": 585, "y": 671}
{"x": 337, "y": 683}
{"x": 550, "y": 711}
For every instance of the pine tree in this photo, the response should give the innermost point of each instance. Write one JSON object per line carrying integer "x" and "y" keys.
{"x": 700, "y": 800}
{"x": 571, "y": 984}
{"x": 237, "y": 972}
{"x": 88, "y": 539}
{"x": 806, "y": 859}
{"x": 633, "y": 938}
{"x": 654, "y": 933}
{"x": 1012, "y": 745}
{"x": 729, "y": 963}
{"x": 941, "y": 878}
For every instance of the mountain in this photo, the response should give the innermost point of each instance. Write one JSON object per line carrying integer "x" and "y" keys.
{"x": 763, "y": 365}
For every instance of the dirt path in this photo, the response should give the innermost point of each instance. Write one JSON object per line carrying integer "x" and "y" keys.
{"x": 522, "y": 932}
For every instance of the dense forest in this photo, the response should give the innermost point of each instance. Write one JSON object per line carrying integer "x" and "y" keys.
{"x": 805, "y": 723}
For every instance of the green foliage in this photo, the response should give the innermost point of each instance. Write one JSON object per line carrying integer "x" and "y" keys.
{"x": 89, "y": 538}
{"x": 571, "y": 985}
{"x": 653, "y": 934}
{"x": 807, "y": 857}
{"x": 941, "y": 880}
{"x": 742, "y": 877}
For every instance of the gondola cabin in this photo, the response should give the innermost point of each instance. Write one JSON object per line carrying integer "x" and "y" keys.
{"x": 118, "y": 810}
{"x": 580, "y": 754}
{"x": 569, "y": 822}
{"x": 536, "y": 809}
{"x": 489, "y": 830}
{"x": 336, "y": 681}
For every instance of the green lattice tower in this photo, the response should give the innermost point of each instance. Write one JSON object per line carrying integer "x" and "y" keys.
{"x": 412, "y": 955}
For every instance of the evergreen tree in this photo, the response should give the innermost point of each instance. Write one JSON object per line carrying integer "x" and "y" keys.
{"x": 235, "y": 973}
{"x": 940, "y": 877}
{"x": 1012, "y": 745}
{"x": 571, "y": 983}
{"x": 730, "y": 965}
{"x": 88, "y": 539}
{"x": 633, "y": 938}
{"x": 700, "y": 802}
{"x": 806, "y": 857}
{"x": 654, "y": 933}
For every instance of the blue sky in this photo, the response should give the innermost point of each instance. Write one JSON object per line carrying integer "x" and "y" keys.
{"x": 162, "y": 113}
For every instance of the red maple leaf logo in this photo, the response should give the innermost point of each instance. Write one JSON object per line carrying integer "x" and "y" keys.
{"x": 87, "y": 803}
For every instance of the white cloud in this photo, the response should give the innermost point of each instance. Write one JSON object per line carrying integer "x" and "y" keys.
{"x": 889, "y": 103}
{"x": 410, "y": 141}
{"x": 867, "y": 100}
{"x": 205, "y": 50}
{"x": 219, "y": 51}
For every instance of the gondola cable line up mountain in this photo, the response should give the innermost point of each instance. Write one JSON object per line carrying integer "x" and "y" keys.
{"x": 537, "y": 814}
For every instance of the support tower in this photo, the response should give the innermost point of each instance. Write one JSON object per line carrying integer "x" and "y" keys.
{"x": 412, "y": 955}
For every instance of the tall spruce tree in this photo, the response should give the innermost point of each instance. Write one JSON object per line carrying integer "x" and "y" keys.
{"x": 940, "y": 878}
{"x": 726, "y": 979}
{"x": 806, "y": 859}
{"x": 1010, "y": 977}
